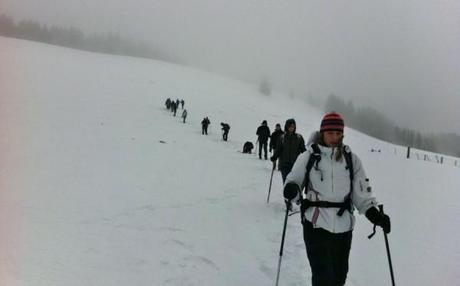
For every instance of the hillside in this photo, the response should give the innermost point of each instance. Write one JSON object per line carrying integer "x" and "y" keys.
{"x": 90, "y": 196}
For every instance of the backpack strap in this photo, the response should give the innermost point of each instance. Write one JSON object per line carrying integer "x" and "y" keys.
{"x": 315, "y": 157}
{"x": 349, "y": 161}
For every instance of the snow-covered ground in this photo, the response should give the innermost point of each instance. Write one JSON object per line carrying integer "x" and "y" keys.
{"x": 91, "y": 196}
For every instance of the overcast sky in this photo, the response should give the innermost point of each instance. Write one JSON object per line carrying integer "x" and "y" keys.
{"x": 399, "y": 56}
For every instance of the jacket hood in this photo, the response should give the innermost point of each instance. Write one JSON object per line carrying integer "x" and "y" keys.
{"x": 288, "y": 123}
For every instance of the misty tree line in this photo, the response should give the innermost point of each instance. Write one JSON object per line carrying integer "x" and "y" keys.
{"x": 376, "y": 124}
{"x": 110, "y": 43}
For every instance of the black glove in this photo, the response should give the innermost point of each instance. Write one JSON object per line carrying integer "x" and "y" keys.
{"x": 273, "y": 158}
{"x": 378, "y": 218}
{"x": 290, "y": 191}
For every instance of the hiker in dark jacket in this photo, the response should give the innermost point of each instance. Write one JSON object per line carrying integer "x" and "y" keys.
{"x": 204, "y": 125}
{"x": 168, "y": 103}
{"x": 184, "y": 114}
{"x": 289, "y": 146}
{"x": 263, "y": 133}
{"x": 275, "y": 136}
{"x": 182, "y": 102}
{"x": 173, "y": 108}
{"x": 225, "y": 129}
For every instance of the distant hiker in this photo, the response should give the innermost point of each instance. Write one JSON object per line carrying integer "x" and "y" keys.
{"x": 184, "y": 114}
{"x": 168, "y": 103}
{"x": 275, "y": 136}
{"x": 263, "y": 133}
{"x": 204, "y": 125}
{"x": 288, "y": 147}
{"x": 329, "y": 180}
{"x": 225, "y": 129}
{"x": 247, "y": 147}
{"x": 177, "y": 102}
{"x": 174, "y": 107}
{"x": 182, "y": 102}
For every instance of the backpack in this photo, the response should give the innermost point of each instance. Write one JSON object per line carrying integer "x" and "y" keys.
{"x": 315, "y": 157}
{"x": 247, "y": 147}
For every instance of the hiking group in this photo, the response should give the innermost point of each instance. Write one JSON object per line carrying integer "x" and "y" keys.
{"x": 328, "y": 181}
{"x": 174, "y": 105}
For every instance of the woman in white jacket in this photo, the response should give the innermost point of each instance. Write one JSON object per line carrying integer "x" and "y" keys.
{"x": 336, "y": 183}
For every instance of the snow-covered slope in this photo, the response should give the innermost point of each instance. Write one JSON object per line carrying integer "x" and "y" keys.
{"x": 91, "y": 196}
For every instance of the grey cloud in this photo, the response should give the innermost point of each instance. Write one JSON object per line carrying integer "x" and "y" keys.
{"x": 398, "y": 56}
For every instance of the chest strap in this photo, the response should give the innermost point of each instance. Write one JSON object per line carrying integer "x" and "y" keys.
{"x": 342, "y": 206}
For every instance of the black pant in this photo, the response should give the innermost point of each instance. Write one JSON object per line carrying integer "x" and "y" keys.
{"x": 264, "y": 145}
{"x": 225, "y": 136}
{"x": 204, "y": 130}
{"x": 328, "y": 255}
{"x": 285, "y": 169}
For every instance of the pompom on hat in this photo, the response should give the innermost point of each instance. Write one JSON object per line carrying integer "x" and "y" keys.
{"x": 332, "y": 121}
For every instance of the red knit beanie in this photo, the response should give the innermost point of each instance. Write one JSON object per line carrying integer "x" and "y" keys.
{"x": 332, "y": 122}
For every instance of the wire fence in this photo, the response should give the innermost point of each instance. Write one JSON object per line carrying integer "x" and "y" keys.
{"x": 422, "y": 155}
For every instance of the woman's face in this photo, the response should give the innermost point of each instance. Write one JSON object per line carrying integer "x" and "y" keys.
{"x": 332, "y": 138}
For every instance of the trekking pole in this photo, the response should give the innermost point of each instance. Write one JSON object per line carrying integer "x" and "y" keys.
{"x": 388, "y": 252}
{"x": 271, "y": 179}
{"x": 387, "y": 248}
{"x": 282, "y": 245}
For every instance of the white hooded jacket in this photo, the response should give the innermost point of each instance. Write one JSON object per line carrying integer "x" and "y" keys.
{"x": 331, "y": 182}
